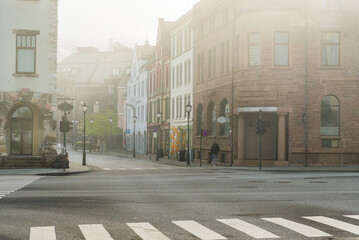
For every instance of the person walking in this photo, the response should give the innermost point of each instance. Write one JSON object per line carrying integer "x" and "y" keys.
{"x": 214, "y": 152}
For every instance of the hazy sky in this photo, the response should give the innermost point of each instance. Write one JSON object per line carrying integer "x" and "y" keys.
{"x": 94, "y": 22}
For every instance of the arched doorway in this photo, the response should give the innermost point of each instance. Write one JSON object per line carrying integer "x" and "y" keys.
{"x": 21, "y": 131}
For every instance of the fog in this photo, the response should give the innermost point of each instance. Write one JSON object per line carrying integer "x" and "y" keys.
{"x": 94, "y": 23}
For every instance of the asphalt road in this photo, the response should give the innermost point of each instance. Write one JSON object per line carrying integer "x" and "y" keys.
{"x": 179, "y": 203}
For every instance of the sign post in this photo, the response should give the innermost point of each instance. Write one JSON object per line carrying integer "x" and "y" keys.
{"x": 260, "y": 130}
{"x": 204, "y": 133}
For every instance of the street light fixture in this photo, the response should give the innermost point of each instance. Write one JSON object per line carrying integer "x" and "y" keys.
{"x": 75, "y": 140}
{"x": 110, "y": 145}
{"x": 84, "y": 109}
{"x": 91, "y": 122}
{"x": 188, "y": 109}
{"x": 158, "y": 115}
{"x": 134, "y": 135}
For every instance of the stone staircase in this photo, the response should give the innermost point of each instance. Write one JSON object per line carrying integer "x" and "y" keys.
{"x": 22, "y": 162}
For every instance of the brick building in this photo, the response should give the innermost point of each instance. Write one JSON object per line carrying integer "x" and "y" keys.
{"x": 294, "y": 60}
{"x": 158, "y": 87}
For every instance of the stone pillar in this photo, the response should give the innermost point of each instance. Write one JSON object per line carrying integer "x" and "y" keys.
{"x": 241, "y": 134}
{"x": 281, "y": 140}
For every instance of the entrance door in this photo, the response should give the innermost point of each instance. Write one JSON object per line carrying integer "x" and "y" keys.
{"x": 21, "y": 132}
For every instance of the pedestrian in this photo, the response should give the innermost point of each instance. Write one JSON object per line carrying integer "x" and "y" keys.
{"x": 214, "y": 152}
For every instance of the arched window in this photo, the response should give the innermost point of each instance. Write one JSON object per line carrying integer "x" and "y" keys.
{"x": 330, "y": 116}
{"x": 211, "y": 119}
{"x": 200, "y": 119}
{"x": 224, "y": 112}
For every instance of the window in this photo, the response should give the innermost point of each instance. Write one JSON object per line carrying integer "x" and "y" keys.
{"x": 67, "y": 90}
{"x": 281, "y": 49}
{"x": 330, "y": 49}
{"x": 330, "y": 4}
{"x": 200, "y": 119}
{"x": 214, "y": 61}
{"x": 189, "y": 70}
{"x": 173, "y": 108}
{"x": 185, "y": 72}
{"x": 209, "y": 63}
{"x": 173, "y": 76}
{"x": 254, "y": 49}
{"x": 222, "y": 57}
{"x": 181, "y": 74}
{"x": 26, "y": 52}
{"x": 226, "y": 55}
{"x": 211, "y": 119}
{"x": 96, "y": 107}
{"x": 110, "y": 89}
{"x": 224, "y": 112}
{"x": 330, "y": 116}
{"x": 236, "y": 51}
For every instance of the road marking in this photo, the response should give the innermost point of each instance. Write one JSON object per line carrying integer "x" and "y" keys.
{"x": 336, "y": 224}
{"x": 248, "y": 228}
{"x": 107, "y": 169}
{"x": 352, "y": 216}
{"x": 199, "y": 230}
{"x": 298, "y": 227}
{"x": 10, "y": 184}
{"x": 42, "y": 233}
{"x": 95, "y": 232}
{"x": 146, "y": 231}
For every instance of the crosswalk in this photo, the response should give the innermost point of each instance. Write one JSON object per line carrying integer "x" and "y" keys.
{"x": 146, "y": 231}
{"x": 10, "y": 184}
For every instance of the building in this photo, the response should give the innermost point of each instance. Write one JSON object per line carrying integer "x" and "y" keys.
{"x": 137, "y": 99}
{"x": 93, "y": 77}
{"x": 28, "y": 50}
{"x": 294, "y": 60}
{"x": 181, "y": 82}
{"x": 158, "y": 87}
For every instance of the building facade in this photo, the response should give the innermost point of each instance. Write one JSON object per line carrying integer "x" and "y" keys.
{"x": 137, "y": 99}
{"x": 295, "y": 61}
{"x": 158, "y": 87}
{"x": 28, "y": 36}
{"x": 181, "y": 82}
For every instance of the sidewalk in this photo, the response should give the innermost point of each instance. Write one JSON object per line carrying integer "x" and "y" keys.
{"x": 175, "y": 162}
{"x": 74, "y": 168}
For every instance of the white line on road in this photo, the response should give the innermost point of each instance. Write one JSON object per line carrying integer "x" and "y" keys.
{"x": 107, "y": 169}
{"x": 146, "y": 231}
{"x": 95, "y": 232}
{"x": 298, "y": 227}
{"x": 336, "y": 224}
{"x": 42, "y": 233}
{"x": 352, "y": 216}
{"x": 199, "y": 230}
{"x": 248, "y": 228}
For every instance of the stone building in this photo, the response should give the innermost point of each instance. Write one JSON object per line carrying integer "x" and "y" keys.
{"x": 158, "y": 86}
{"x": 296, "y": 60}
{"x": 181, "y": 81}
{"x": 28, "y": 36}
{"x": 137, "y": 99}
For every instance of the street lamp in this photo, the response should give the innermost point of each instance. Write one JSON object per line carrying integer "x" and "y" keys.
{"x": 188, "y": 109}
{"x": 91, "y": 122}
{"x": 158, "y": 133}
{"x": 84, "y": 109}
{"x": 76, "y": 126}
{"x": 110, "y": 145}
{"x": 134, "y": 135}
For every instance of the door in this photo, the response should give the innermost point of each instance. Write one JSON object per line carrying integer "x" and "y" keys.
{"x": 21, "y": 132}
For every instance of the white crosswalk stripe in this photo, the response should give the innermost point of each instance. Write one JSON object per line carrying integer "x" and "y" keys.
{"x": 298, "y": 227}
{"x": 10, "y": 184}
{"x": 146, "y": 231}
{"x": 248, "y": 228}
{"x": 352, "y": 216}
{"x": 42, "y": 233}
{"x": 336, "y": 224}
{"x": 198, "y": 230}
{"x": 95, "y": 232}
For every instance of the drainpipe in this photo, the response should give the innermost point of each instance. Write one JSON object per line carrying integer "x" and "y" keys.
{"x": 306, "y": 82}
{"x": 232, "y": 110}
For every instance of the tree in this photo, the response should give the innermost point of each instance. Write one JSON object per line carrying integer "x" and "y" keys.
{"x": 101, "y": 125}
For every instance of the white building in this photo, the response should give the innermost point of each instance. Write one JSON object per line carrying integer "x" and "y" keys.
{"x": 181, "y": 81}
{"x": 137, "y": 99}
{"x": 28, "y": 46}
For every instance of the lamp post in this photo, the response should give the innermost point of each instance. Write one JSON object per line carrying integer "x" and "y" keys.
{"x": 91, "y": 122}
{"x": 134, "y": 135}
{"x": 76, "y": 126}
{"x": 158, "y": 115}
{"x": 188, "y": 109}
{"x": 84, "y": 109}
{"x": 110, "y": 145}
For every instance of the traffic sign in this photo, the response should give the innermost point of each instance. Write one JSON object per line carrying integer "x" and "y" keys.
{"x": 128, "y": 131}
{"x": 155, "y": 130}
{"x": 205, "y": 133}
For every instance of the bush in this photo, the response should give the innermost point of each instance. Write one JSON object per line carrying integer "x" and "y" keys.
{"x": 80, "y": 145}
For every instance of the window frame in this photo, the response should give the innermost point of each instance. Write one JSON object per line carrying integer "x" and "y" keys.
{"x": 281, "y": 44}
{"x": 330, "y": 44}
{"x": 28, "y": 35}
{"x": 321, "y": 115}
{"x": 249, "y": 49}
